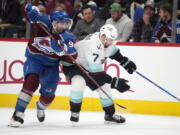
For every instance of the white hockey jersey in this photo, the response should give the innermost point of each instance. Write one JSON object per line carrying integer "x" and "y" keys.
{"x": 92, "y": 53}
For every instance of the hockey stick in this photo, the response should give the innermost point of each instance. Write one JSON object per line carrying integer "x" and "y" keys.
{"x": 157, "y": 85}
{"x": 74, "y": 61}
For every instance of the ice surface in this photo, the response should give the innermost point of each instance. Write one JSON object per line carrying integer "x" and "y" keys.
{"x": 91, "y": 123}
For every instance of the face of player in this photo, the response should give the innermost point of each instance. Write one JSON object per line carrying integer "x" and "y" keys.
{"x": 88, "y": 15}
{"x": 106, "y": 41}
{"x": 60, "y": 26}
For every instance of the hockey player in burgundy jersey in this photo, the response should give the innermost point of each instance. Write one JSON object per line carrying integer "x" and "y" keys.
{"x": 92, "y": 53}
{"x": 42, "y": 64}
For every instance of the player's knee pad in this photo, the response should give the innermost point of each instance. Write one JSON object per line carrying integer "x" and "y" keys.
{"x": 48, "y": 88}
{"x": 77, "y": 88}
{"x": 31, "y": 83}
{"x": 78, "y": 83}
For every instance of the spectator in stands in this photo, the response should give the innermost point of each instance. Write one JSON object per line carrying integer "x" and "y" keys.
{"x": 77, "y": 14}
{"x": 104, "y": 12}
{"x": 77, "y": 6}
{"x": 88, "y": 25}
{"x": 121, "y": 21}
{"x": 100, "y": 3}
{"x": 178, "y": 11}
{"x": 160, "y": 2}
{"x": 10, "y": 16}
{"x": 42, "y": 8}
{"x": 60, "y": 6}
{"x": 93, "y": 6}
{"x": 53, "y": 3}
{"x": 136, "y": 9}
{"x": 163, "y": 30}
{"x": 143, "y": 28}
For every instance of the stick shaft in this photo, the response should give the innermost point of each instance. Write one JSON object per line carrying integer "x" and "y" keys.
{"x": 157, "y": 85}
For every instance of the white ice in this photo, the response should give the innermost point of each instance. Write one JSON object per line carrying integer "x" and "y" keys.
{"x": 91, "y": 123}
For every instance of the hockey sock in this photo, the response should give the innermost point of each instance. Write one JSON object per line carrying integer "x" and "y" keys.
{"x": 23, "y": 101}
{"x": 106, "y": 102}
{"x": 78, "y": 85}
{"x": 76, "y": 100}
{"x": 75, "y": 107}
{"x": 30, "y": 85}
{"x": 44, "y": 102}
{"x": 110, "y": 110}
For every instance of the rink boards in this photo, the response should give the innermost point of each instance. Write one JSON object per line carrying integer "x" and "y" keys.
{"x": 159, "y": 62}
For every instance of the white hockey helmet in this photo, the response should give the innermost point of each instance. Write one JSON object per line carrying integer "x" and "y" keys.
{"x": 109, "y": 30}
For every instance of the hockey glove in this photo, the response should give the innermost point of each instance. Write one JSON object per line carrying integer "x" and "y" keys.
{"x": 33, "y": 16}
{"x": 32, "y": 13}
{"x": 128, "y": 65}
{"x": 120, "y": 84}
{"x": 30, "y": 7}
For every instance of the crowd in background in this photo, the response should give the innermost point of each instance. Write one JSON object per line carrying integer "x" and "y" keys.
{"x": 135, "y": 20}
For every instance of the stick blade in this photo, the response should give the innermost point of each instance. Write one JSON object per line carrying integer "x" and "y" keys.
{"x": 121, "y": 106}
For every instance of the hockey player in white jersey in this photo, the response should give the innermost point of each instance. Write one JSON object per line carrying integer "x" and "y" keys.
{"x": 92, "y": 53}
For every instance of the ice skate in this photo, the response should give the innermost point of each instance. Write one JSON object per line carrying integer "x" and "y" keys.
{"x": 17, "y": 119}
{"x": 114, "y": 119}
{"x": 74, "y": 118}
{"x": 40, "y": 114}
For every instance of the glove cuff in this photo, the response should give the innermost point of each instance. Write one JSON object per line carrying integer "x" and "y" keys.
{"x": 117, "y": 56}
{"x": 114, "y": 82}
{"x": 125, "y": 62}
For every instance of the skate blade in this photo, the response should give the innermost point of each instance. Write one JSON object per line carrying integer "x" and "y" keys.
{"x": 15, "y": 124}
{"x": 74, "y": 124}
{"x": 113, "y": 123}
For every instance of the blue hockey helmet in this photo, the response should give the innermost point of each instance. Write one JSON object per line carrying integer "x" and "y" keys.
{"x": 60, "y": 16}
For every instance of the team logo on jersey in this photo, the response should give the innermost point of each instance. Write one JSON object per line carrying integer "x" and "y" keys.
{"x": 43, "y": 45}
{"x": 48, "y": 90}
{"x": 99, "y": 46}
